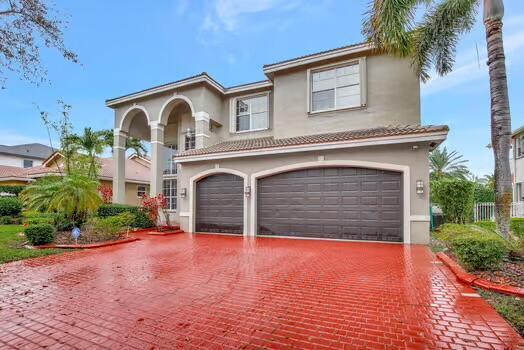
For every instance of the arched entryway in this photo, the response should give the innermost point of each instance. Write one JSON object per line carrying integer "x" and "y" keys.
{"x": 219, "y": 204}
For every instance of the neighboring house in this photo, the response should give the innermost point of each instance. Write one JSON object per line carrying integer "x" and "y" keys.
{"x": 136, "y": 181}
{"x": 329, "y": 146}
{"x": 517, "y": 164}
{"x": 24, "y": 156}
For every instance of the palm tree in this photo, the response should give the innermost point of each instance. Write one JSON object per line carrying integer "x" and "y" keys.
{"x": 392, "y": 27}
{"x": 447, "y": 164}
{"x": 132, "y": 143}
{"x": 92, "y": 144}
{"x": 74, "y": 195}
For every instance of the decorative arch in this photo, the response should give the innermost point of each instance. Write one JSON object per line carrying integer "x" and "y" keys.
{"x": 129, "y": 113}
{"x": 163, "y": 119}
{"x": 192, "y": 193}
{"x": 337, "y": 163}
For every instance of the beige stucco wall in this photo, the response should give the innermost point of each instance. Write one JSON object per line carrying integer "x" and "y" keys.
{"x": 393, "y": 98}
{"x": 131, "y": 197}
{"x": 416, "y": 160}
{"x": 391, "y": 86}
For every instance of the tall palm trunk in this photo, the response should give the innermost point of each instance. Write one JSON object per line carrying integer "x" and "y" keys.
{"x": 500, "y": 114}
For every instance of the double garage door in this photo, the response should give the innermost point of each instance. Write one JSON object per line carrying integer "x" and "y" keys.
{"x": 337, "y": 203}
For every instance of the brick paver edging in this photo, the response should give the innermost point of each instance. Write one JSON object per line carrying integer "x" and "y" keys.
{"x": 86, "y": 246}
{"x": 473, "y": 280}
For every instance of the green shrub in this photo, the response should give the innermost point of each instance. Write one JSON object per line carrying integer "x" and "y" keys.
{"x": 479, "y": 251}
{"x": 484, "y": 193}
{"x": 517, "y": 227}
{"x": 455, "y": 197}
{"x": 37, "y": 218}
{"x": 40, "y": 234}
{"x": 141, "y": 219}
{"x": 11, "y": 189}
{"x": 5, "y": 220}
{"x": 488, "y": 225}
{"x": 109, "y": 228}
{"x": 10, "y": 206}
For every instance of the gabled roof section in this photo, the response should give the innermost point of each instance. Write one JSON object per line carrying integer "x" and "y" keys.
{"x": 268, "y": 70}
{"x": 316, "y": 57}
{"x": 28, "y": 150}
{"x": 300, "y": 143}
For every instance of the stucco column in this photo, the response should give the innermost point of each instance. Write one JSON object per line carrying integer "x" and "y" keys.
{"x": 157, "y": 158}
{"x": 202, "y": 134}
{"x": 119, "y": 161}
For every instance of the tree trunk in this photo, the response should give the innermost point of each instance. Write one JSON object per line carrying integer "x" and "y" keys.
{"x": 500, "y": 121}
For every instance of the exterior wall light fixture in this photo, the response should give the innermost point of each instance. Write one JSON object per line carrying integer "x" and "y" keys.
{"x": 247, "y": 191}
{"x": 183, "y": 192}
{"x": 420, "y": 187}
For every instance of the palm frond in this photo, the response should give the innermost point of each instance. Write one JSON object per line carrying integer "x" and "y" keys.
{"x": 435, "y": 38}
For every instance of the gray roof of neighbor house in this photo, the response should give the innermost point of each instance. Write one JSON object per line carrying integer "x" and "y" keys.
{"x": 334, "y": 137}
{"x": 29, "y": 150}
{"x": 518, "y": 131}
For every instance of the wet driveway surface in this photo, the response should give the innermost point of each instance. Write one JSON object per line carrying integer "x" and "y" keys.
{"x": 221, "y": 292}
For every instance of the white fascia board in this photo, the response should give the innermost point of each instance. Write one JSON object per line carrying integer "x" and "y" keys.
{"x": 439, "y": 136}
{"x": 249, "y": 87}
{"x": 318, "y": 57}
{"x": 26, "y": 179}
{"x": 164, "y": 88}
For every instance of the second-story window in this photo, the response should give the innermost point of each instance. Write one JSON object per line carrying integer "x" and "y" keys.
{"x": 251, "y": 113}
{"x": 335, "y": 88}
{"x": 28, "y": 163}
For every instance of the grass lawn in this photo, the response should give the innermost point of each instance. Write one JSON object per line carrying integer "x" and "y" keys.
{"x": 511, "y": 308}
{"x": 11, "y": 245}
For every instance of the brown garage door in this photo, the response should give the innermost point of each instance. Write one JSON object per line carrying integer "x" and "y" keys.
{"x": 219, "y": 204}
{"x": 338, "y": 203}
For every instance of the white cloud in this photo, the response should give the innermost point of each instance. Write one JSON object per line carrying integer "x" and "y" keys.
{"x": 471, "y": 67}
{"x": 227, "y": 14}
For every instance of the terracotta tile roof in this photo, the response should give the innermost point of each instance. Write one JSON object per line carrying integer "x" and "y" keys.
{"x": 350, "y": 135}
{"x": 12, "y": 171}
{"x": 135, "y": 171}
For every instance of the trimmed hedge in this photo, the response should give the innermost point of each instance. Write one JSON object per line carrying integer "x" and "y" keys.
{"x": 11, "y": 189}
{"x": 478, "y": 251}
{"x": 40, "y": 234}
{"x": 141, "y": 219}
{"x": 476, "y": 247}
{"x": 10, "y": 206}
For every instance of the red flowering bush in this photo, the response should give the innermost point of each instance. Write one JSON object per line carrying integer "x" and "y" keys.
{"x": 152, "y": 206}
{"x": 106, "y": 192}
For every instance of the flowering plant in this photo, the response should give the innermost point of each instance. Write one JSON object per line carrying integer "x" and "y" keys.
{"x": 106, "y": 192}
{"x": 152, "y": 206}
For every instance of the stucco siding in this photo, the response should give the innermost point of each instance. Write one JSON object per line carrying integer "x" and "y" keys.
{"x": 393, "y": 98}
{"x": 17, "y": 161}
{"x": 402, "y": 155}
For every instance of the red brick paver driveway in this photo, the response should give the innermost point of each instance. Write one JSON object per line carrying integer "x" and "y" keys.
{"x": 209, "y": 291}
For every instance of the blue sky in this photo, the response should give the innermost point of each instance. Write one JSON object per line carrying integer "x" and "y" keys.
{"x": 126, "y": 46}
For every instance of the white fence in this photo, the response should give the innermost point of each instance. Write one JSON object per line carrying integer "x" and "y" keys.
{"x": 486, "y": 211}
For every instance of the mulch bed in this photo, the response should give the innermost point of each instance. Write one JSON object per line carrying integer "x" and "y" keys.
{"x": 510, "y": 272}
{"x": 64, "y": 237}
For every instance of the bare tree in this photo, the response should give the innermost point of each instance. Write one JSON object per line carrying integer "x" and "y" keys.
{"x": 25, "y": 26}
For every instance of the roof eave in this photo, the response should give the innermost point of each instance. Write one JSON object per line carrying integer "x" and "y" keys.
{"x": 434, "y": 138}
{"x": 272, "y": 68}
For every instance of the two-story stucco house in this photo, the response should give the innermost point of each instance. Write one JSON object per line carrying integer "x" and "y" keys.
{"x": 329, "y": 146}
{"x": 24, "y": 156}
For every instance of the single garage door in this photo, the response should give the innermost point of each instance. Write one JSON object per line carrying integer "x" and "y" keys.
{"x": 219, "y": 204}
{"x": 338, "y": 203}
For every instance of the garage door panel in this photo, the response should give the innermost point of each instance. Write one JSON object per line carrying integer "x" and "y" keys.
{"x": 343, "y": 203}
{"x": 219, "y": 204}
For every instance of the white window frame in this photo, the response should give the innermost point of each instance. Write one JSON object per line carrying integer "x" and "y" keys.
{"x": 233, "y": 112}
{"x": 363, "y": 84}
{"x": 138, "y": 190}
{"x": 175, "y": 197}
{"x": 27, "y": 160}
